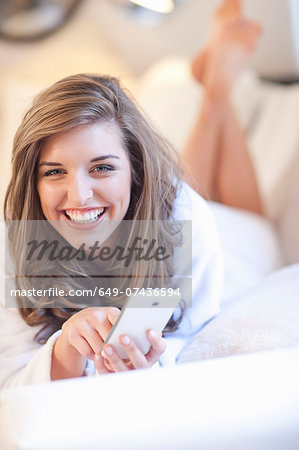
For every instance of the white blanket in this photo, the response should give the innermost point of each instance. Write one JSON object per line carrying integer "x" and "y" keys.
{"x": 266, "y": 317}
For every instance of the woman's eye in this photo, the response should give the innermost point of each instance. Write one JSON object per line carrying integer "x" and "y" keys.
{"x": 53, "y": 172}
{"x": 103, "y": 168}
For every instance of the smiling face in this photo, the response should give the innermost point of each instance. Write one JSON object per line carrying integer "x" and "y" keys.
{"x": 84, "y": 180}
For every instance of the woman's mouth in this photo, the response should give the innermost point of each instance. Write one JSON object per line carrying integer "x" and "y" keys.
{"x": 84, "y": 217}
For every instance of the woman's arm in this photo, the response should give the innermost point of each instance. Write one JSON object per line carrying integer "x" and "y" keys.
{"x": 66, "y": 361}
{"x": 23, "y": 361}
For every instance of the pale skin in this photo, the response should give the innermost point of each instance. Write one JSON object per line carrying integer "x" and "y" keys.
{"x": 216, "y": 158}
{"x": 84, "y": 171}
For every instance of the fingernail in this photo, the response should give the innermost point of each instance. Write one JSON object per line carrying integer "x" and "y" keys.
{"x": 125, "y": 340}
{"x": 97, "y": 357}
{"x": 108, "y": 350}
{"x": 152, "y": 333}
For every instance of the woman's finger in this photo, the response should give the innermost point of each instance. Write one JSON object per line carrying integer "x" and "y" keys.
{"x": 99, "y": 363}
{"x": 117, "y": 364}
{"x": 158, "y": 346}
{"x": 113, "y": 315}
{"x": 91, "y": 336}
{"x": 136, "y": 357}
{"x": 100, "y": 322}
{"x": 82, "y": 346}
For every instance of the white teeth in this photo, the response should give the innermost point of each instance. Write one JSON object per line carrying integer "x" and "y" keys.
{"x": 87, "y": 217}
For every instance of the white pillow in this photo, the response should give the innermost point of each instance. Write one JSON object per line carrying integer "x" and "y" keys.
{"x": 250, "y": 248}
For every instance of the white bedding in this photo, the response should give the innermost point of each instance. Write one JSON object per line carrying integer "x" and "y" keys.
{"x": 250, "y": 246}
{"x": 264, "y": 318}
{"x": 249, "y": 402}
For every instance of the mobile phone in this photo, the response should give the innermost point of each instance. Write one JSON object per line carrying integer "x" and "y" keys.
{"x": 141, "y": 312}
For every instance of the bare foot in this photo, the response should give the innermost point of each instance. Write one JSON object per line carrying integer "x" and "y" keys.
{"x": 228, "y": 56}
{"x": 227, "y": 12}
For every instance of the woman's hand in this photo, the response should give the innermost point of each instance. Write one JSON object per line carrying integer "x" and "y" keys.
{"x": 82, "y": 337}
{"x": 111, "y": 362}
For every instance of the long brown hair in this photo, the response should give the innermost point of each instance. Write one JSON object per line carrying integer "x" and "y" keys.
{"x": 76, "y": 101}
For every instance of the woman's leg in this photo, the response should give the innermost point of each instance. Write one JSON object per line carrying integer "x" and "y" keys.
{"x": 216, "y": 153}
{"x": 201, "y": 153}
{"x": 236, "y": 180}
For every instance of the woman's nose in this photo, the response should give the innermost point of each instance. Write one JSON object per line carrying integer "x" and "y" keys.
{"x": 79, "y": 190}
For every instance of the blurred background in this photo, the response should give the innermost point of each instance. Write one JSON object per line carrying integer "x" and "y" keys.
{"x": 148, "y": 44}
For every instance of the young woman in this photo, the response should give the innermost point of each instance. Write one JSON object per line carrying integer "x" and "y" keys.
{"x": 83, "y": 157}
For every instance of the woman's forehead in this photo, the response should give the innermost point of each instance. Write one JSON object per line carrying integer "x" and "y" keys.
{"x": 85, "y": 141}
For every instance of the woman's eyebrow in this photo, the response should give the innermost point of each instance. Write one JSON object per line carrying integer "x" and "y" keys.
{"x": 97, "y": 158}
{"x": 100, "y": 158}
{"x": 45, "y": 163}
